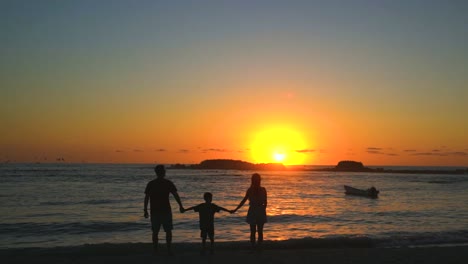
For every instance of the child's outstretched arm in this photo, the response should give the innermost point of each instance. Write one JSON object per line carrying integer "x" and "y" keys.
{"x": 225, "y": 210}
{"x": 188, "y": 209}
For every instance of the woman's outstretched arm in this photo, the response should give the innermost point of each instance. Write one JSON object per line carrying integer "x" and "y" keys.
{"x": 243, "y": 201}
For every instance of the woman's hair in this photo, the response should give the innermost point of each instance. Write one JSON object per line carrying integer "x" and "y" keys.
{"x": 256, "y": 179}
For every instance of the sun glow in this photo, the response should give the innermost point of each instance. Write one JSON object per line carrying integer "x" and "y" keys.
{"x": 279, "y": 157}
{"x": 278, "y": 145}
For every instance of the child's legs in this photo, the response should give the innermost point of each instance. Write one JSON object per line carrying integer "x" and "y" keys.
{"x": 211, "y": 236}
{"x": 203, "y": 235}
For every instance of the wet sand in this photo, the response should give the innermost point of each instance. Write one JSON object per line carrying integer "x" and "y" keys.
{"x": 141, "y": 253}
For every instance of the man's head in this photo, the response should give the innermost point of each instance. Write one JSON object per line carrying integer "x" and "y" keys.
{"x": 160, "y": 171}
{"x": 208, "y": 197}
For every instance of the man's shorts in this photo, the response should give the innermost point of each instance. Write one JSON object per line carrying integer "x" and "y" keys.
{"x": 161, "y": 218}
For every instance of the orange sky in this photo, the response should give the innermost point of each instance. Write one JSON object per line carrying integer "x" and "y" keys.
{"x": 299, "y": 84}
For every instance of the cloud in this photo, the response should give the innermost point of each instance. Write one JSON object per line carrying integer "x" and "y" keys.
{"x": 214, "y": 150}
{"x": 184, "y": 151}
{"x": 119, "y": 151}
{"x": 439, "y": 153}
{"x": 409, "y": 150}
{"x": 427, "y": 154}
{"x": 373, "y": 149}
{"x": 160, "y": 150}
{"x": 458, "y": 153}
{"x": 375, "y": 152}
{"x": 378, "y": 151}
{"x": 305, "y": 150}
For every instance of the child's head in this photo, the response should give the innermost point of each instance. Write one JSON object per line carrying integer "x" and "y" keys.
{"x": 208, "y": 197}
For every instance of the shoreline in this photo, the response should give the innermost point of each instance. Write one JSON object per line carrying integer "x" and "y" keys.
{"x": 141, "y": 252}
{"x": 440, "y": 239}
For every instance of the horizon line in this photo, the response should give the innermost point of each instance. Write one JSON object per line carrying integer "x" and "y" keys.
{"x": 174, "y": 163}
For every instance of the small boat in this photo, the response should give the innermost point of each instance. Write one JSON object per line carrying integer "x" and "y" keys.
{"x": 371, "y": 192}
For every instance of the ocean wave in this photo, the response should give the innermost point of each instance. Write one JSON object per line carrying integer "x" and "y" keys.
{"x": 86, "y": 202}
{"x": 418, "y": 239}
{"x": 43, "y": 215}
{"x": 39, "y": 170}
{"x": 74, "y": 228}
{"x": 439, "y": 180}
{"x": 447, "y": 181}
{"x": 287, "y": 218}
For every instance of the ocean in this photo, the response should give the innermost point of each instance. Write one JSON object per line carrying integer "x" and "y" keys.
{"x": 50, "y": 205}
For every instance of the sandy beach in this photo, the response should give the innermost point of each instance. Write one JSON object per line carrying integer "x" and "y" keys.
{"x": 141, "y": 253}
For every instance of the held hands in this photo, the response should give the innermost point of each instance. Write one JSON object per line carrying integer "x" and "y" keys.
{"x": 181, "y": 209}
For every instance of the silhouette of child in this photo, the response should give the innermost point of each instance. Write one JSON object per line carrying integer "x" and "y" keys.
{"x": 206, "y": 213}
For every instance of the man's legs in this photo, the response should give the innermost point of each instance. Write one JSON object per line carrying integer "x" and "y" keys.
{"x": 166, "y": 219}
{"x": 169, "y": 241}
{"x": 155, "y": 226}
{"x": 155, "y": 242}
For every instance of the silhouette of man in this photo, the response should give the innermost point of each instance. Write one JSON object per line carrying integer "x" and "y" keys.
{"x": 157, "y": 193}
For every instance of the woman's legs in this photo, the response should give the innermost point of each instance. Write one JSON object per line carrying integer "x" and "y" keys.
{"x": 260, "y": 233}
{"x": 253, "y": 230}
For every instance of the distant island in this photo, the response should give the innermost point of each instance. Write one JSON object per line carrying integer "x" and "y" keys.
{"x": 228, "y": 164}
{"x": 342, "y": 166}
{"x": 356, "y": 166}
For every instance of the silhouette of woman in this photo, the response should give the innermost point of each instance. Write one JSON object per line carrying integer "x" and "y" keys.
{"x": 256, "y": 216}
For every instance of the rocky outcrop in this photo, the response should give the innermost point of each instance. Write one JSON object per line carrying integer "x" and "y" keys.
{"x": 228, "y": 164}
{"x": 350, "y": 166}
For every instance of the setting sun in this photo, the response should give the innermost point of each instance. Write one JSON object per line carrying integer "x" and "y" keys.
{"x": 279, "y": 157}
{"x": 278, "y": 145}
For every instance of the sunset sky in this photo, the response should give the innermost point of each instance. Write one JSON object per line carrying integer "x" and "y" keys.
{"x": 298, "y": 82}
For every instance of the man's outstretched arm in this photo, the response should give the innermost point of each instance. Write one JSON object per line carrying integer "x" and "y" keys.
{"x": 177, "y": 198}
